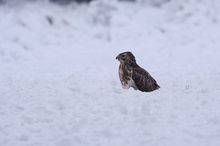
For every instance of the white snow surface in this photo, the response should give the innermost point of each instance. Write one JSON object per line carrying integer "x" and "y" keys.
{"x": 59, "y": 83}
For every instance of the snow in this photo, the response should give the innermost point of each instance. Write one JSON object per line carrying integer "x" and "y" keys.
{"x": 59, "y": 83}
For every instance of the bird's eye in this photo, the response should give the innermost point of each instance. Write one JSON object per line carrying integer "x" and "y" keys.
{"x": 123, "y": 55}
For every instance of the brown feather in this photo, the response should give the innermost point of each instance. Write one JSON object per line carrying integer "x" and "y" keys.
{"x": 143, "y": 80}
{"x": 132, "y": 75}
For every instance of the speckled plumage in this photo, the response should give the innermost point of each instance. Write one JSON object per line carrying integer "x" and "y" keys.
{"x": 132, "y": 75}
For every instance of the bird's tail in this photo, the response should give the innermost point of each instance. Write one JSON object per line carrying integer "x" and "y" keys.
{"x": 157, "y": 86}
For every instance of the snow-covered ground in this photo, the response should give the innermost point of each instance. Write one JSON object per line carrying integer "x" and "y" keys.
{"x": 59, "y": 82}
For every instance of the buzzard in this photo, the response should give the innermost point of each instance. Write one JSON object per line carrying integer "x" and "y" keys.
{"x": 132, "y": 75}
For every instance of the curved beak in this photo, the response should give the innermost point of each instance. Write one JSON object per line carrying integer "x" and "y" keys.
{"x": 117, "y": 57}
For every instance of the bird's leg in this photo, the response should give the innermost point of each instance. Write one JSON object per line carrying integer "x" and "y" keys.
{"x": 125, "y": 86}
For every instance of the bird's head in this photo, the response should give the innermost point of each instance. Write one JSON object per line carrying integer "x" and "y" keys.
{"x": 126, "y": 58}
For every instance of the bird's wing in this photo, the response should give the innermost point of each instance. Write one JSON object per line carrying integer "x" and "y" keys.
{"x": 143, "y": 80}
